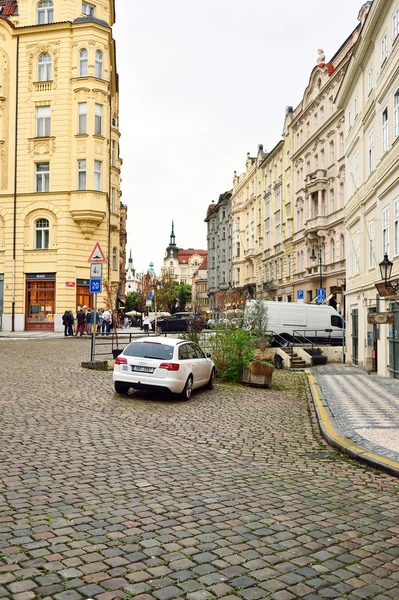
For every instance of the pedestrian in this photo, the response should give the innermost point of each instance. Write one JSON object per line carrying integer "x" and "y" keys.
{"x": 100, "y": 320}
{"x": 81, "y": 318}
{"x": 67, "y": 321}
{"x": 146, "y": 323}
{"x": 122, "y": 321}
{"x": 71, "y": 322}
{"x": 107, "y": 320}
{"x": 89, "y": 321}
{"x": 85, "y": 312}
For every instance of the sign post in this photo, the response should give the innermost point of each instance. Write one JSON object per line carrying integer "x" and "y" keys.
{"x": 299, "y": 296}
{"x": 96, "y": 260}
{"x": 321, "y": 295}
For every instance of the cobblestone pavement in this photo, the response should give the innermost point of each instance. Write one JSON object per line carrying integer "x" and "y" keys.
{"x": 365, "y": 407}
{"x": 232, "y": 495}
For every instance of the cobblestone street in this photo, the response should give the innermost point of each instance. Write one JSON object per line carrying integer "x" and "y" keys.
{"x": 233, "y": 495}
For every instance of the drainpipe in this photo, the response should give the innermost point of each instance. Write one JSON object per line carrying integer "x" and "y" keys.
{"x": 110, "y": 176}
{"x": 14, "y": 238}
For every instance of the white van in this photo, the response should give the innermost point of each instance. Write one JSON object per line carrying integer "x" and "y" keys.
{"x": 319, "y": 323}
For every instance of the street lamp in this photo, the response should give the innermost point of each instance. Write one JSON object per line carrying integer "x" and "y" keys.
{"x": 386, "y": 269}
{"x": 314, "y": 257}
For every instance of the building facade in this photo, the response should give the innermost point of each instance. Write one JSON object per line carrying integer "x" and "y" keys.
{"x": 369, "y": 96}
{"x": 199, "y": 298}
{"x": 318, "y": 163}
{"x": 179, "y": 264}
{"x": 59, "y": 159}
{"x": 219, "y": 224}
{"x": 133, "y": 279}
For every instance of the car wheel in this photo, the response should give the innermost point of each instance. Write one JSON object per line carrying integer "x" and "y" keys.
{"x": 188, "y": 389}
{"x": 211, "y": 383}
{"x": 121, "y": 388}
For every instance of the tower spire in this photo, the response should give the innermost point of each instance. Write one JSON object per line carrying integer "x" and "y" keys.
{"x": 172, "y": 235}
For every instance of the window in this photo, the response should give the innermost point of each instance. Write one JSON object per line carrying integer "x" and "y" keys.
{"x": 370, "y": 83}
{"x": 45, "y": 12}
{"x": 42, "y": 234}
{"x": 341, "y": 145}
{"x": 356, "y": 105}
{"x": 396, "y": 113}
{"x": 332, "y": 200}
{"x": 44, "y": 68}
{"x": 114, "y": 259}
{"x": 332, "y": 153}
{"x": 371, "y": 245}
{"x": 43, "y": 121}
{"x": 385, "y": 231}
{"x": 88, "y": 9}
{"x": 98, "y": 119}
{"x": 322, "y": 161}
{"x": 384, "y": 47}
{"x": 288, "y": 265}
{"x": 42, "y": 177}
{"x": 82, "y": 117}
{"x": 351, "y": 180}
{"x": 81, "y": 174}
{"x": 356, "y": 170}
{"x": 350, "y": 119}
{"x": 97, "y": 175}
{"x": 83, "y": 63}
{"x": 357, "y": 253}
{"x": 332, "y": 251}
{"x": 113, "y": 204}
{"x": 371, "y": 152}
{"x": 238, "y": 250}
{"x": 322, "y": 115}
{"x": 395, "y": 23}
{"x": 342, "y": 247}
{"x": 385, "y": 130}
{"x": 396, "y": 213}
{"x": 99, "y": 64}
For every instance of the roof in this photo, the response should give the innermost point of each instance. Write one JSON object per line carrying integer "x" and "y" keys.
{"x": 91, "y": 19}
{"x": 187, "y": 254}
{"x": 204, "y": 264}
{"x": 10, "y": 8}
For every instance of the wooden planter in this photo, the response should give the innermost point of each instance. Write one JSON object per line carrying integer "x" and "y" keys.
{"x": 258, "y": 374}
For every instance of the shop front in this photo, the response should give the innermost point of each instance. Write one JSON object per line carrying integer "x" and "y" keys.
{"x": 83, "y": 296}
{"x": 40, "y": 302}
{"x": 393, "y": 340}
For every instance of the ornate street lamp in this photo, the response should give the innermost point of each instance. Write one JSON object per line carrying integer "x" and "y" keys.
{"x": 314, "y": 257}
{"x": 386, "y": 269}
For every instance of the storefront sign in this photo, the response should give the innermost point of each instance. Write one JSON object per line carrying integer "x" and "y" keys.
{"x": 381, "y": 318}
{"x": 70, "y": 284}
{"x": 336, "y": 289}
{"x": 40, "y": 276}
{"x": 83, "y": 281}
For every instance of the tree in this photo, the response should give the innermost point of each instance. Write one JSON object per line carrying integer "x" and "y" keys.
{"x": 131, "y": 302}
{"x": 183, "y": 295}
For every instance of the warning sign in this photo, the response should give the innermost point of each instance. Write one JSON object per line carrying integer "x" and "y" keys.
{"x": 97, "y": 255}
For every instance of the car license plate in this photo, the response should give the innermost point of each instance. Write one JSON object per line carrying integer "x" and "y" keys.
{"x": 143, "y": 369}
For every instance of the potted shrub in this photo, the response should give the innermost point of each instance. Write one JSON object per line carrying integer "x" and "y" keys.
{"x": 258, "y": 373}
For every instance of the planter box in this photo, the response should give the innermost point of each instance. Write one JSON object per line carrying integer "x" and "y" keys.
{"x": 263, "y": 381}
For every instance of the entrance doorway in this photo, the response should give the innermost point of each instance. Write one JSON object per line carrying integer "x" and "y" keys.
{"x": 83, "y": 296}
{"x": 355, "y": 336}
{"x": 40, "y": 301}
{"x": 394, "y": 344}
{"x": 1, "y": 299}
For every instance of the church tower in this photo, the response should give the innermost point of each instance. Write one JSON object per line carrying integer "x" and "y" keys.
{"x": 172, "y": 249}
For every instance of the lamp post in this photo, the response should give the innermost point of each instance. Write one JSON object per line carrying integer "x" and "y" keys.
{"x": 320, "y": 261}
{"x": 386, "y": 272}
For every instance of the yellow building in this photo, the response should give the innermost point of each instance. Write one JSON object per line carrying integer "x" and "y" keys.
{"x": 59, "y": 157}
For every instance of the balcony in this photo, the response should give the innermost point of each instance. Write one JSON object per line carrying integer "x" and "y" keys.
{"x": 250, "y": 253}
{"x": 316, "y": 179}
{"x": 43, "y": 86}
{"x": 88, "y": 210}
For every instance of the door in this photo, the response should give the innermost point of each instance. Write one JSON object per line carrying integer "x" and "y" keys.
{"x": 1, "y": 299}
{"x": 195, "y": 364}
{"x": 203, "y": 365}
{"x": 355, "y": 336}
{"x": 394, "y": 344}
{"x": 83, "y": 296}
{"x": 40, "y": 304}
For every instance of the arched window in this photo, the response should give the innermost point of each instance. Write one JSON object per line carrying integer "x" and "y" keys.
{"x": 114, "y": 259}
{"x": 45, "y": 12}
{"x": 99, "y": 64}
{"x": 332, "y": 251}
{"x": 83, "y": 63}
{"x": 42, "y": 234}
{"x": 44, "y": 68}
{"x": 342, "y": 256}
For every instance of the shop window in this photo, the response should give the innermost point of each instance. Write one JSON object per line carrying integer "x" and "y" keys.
{"x": 42, "y": 234}
{"x": 44, "y": 67}
{"x": 45, "y": 12}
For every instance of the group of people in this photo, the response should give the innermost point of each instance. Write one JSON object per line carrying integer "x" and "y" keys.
{"x": 84, "y": 320}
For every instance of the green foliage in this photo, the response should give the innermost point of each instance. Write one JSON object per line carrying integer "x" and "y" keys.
{"x": 131, "y": 302}
{"x": 255, "y": 318}
{"x": 232, "y": 350}
{"x": 183, "y": 295}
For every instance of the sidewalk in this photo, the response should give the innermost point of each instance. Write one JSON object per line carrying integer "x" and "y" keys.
{"x": 40, "y": 335}
{"x": 358, "y": 413}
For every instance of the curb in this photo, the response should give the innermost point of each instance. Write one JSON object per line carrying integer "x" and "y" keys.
{"x": 335, "y": 439}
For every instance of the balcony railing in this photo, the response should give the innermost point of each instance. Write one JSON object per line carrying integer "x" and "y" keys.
{"x": 43, "y": 86}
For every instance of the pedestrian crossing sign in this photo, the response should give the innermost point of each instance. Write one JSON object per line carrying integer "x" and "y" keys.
{"x": 97, "y": 255}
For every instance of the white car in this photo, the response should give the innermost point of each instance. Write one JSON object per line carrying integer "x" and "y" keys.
{"x": 163, "y": 364}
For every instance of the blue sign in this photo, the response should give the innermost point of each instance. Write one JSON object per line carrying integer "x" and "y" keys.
{"x": 299, "y": 294}
{"x": 321, "y": 295}
{"x": 149, "y": 296}
{"x": 96, "y": 286}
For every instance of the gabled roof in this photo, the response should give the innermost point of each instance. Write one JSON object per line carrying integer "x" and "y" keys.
{"x": 10, "y": 7}
{"x": 187, "y": 254}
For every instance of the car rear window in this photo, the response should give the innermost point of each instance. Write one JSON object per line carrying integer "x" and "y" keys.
{"x": 149, "y": 350}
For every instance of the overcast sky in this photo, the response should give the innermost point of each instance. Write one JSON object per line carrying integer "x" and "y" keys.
{"x": 203, "y": 82}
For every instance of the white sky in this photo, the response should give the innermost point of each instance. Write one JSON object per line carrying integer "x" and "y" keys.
{"x": 201, "y": 84}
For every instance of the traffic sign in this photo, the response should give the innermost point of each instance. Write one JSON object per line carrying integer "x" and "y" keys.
{"x": 299, "y": 295}
{"x": 96, "y": 270}
{"x": 97, "y": 255}
{"x": 321, "y": 295}
{"x": 149, "y": 296}
{"x": 96, "y": 286}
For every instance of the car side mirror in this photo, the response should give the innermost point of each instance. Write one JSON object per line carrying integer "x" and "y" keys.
{"x": 208, "y": 355}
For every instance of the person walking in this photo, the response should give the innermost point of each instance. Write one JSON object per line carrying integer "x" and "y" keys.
{"x": 146, "y": 323}
{"x": 106, "y": 324}
{"x": 67, "y": 321}
{"x": 81, "y": 318}
{"x": 89, "y": 321}
{"x": 100, "y": 320}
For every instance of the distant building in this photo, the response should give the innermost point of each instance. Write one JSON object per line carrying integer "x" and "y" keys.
{"x": 132, "y": 277}
{"x": 180, "y": 264}
{"x": 218, "y": 220}
{"x": 200, "y": 300}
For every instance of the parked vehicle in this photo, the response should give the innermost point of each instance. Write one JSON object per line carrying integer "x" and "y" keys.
{"x": 318, "y": 323}
{"x": 180, "y": 321}
{"x": 164, "y": 364}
